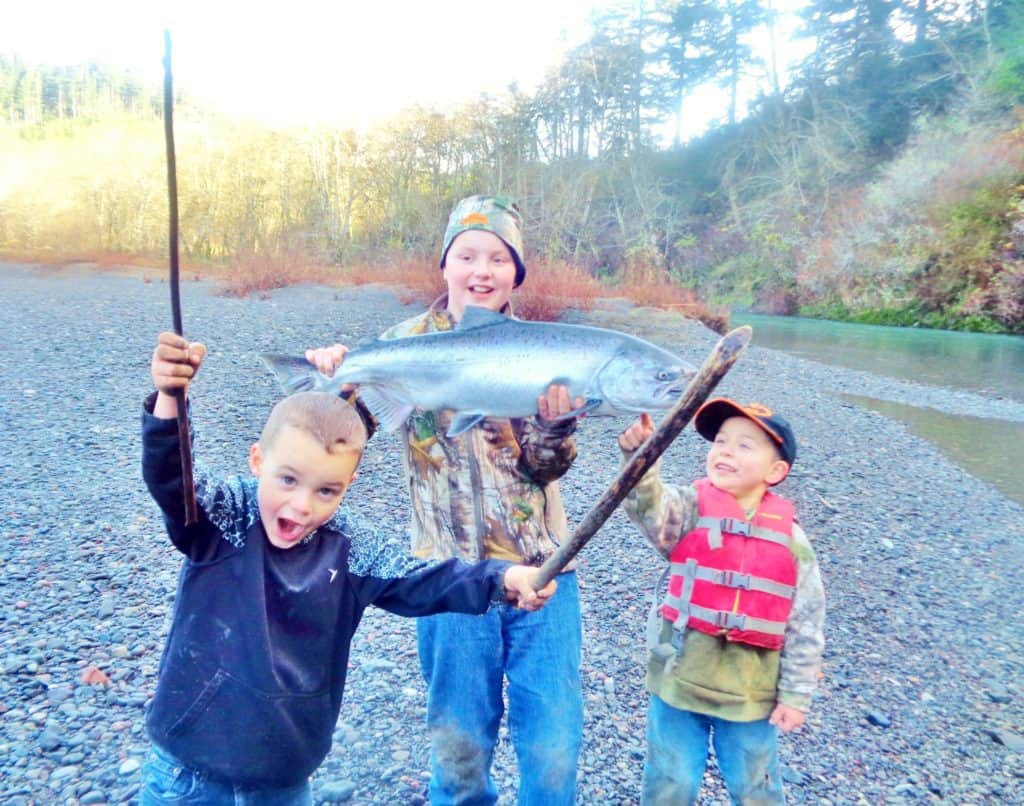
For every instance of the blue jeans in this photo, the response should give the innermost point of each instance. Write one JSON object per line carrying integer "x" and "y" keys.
{"x": 677, "y": 752}
{"x": 464, "y": 660}
{"x": 165, "y": 780}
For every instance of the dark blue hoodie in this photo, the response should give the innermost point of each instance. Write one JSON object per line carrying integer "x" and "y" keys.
{"x": 252, "y": 675}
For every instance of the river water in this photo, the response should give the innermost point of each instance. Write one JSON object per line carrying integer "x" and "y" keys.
{"x": 989, "y": 448}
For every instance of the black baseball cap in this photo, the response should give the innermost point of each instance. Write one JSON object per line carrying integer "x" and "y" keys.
{"x": 712, "y": 414}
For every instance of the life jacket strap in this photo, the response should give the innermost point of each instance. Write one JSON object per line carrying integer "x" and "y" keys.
{"x": 737, "y": 621}
{"x": 730, "y": 579}
{"x": 734, "y": 526}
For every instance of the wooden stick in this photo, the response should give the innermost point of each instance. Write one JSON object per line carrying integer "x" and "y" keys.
{"x": 723, "y": 356}
{"x": 184, "y": 439}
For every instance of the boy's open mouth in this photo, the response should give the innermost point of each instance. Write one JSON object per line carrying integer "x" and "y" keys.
{"x": 289, "y": 530}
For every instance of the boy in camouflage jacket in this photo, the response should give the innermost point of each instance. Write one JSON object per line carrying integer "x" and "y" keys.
{"x": 492, "y": 492}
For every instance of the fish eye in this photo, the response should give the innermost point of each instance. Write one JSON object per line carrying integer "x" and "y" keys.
{"x": 664, "y": 375}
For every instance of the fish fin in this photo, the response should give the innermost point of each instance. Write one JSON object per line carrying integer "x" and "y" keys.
{"x": 591, "y": 404}
{"x": 462, "y": 422}
{"x": 296, "y": 374}
{"x": 474, "y": 316}
{"x": 390, "y": 411}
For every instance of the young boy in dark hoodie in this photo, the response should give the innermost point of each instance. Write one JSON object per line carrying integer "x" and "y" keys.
{"x": 275, "y": 580}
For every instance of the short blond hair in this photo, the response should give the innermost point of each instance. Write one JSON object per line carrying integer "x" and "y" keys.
{"x": 329, "y": 419}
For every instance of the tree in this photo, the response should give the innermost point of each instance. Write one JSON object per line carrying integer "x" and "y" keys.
{"x": 738, "y": 18}
{"x": 686, "y": 49}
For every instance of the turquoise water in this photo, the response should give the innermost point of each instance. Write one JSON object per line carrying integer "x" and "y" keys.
{"x": 975, "y": 361}
{"x": 988, "y": 448}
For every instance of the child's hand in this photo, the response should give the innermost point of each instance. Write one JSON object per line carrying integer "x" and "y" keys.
{"x": 519, "y": 588}
{"x": 786, "y": 718}
{"x": 327, "y": 360}
{"x": 175, "y": 362}
{"x": 637, "y": 434}
{"x": 555, "y": 402}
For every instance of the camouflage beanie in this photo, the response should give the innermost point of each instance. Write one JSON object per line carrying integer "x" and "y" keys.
{"x": 496, "y": 214}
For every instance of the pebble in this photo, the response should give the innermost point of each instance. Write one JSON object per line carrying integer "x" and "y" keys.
{"x": 337, "y": 792}
{"x": 129, "y": 766}
{"x": 922, "y": 665}
{"x": 1009, "y": 740}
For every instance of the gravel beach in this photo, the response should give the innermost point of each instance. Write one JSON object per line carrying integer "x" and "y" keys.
{"x": 922, "y": 696}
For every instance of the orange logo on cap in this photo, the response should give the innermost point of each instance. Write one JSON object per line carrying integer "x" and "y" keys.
{"x": 758, "y": 410}
{"x": 474, "y": 218}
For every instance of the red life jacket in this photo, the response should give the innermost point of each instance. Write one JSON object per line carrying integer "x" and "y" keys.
{"x": 732, "y": 576}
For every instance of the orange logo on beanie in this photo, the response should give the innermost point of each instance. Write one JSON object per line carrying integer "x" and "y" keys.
{"x": 758, "y": 410}
{"x": 474, "y": 218}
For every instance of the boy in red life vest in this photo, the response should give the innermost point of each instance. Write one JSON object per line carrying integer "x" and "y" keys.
{"x": 736, "y": 636}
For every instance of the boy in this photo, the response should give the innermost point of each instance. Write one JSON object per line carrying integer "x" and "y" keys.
{"x": 492, "y": 492}
{"x": 736, "y": 641}
{"x": 273, "y": 586}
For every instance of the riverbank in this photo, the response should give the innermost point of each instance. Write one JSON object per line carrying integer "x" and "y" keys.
{"x": 920, "y": 698}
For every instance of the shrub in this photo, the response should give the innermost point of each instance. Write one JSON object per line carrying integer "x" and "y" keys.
{"x": 552, "y": 288}
{"x": 262, "y": 273}
{"x": 645, "y": 283}
{"x": 415, "y": 281}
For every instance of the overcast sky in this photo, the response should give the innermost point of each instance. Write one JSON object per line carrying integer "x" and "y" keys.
{"x": 341, "y": 62}
{"x": 303, "y": 61}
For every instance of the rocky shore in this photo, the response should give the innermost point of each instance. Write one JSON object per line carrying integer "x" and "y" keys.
{"x": 921, "y": 699}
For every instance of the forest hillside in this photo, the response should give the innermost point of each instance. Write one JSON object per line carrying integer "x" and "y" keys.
{"x": 882, "y": 182}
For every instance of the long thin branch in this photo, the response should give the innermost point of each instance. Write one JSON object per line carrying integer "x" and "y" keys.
{"x": 184, "y": 439}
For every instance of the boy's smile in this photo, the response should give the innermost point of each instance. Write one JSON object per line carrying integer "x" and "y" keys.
{"x": 300, "y": 485}
{"x": 744, "y": 461}
{"x": 479, "y": 270}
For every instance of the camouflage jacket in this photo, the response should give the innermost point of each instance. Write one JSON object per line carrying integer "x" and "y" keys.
{"x": 491, "y": 492}
{"x": 724, "y": 678}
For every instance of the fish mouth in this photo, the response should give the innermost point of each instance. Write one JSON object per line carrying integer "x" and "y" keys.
{"x": 672, "y": 393}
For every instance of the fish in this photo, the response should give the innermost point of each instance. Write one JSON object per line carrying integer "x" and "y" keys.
{"x": 490, "y": 365}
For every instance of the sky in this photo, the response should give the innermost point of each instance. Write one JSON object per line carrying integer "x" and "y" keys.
{"x": 346, "y": 62}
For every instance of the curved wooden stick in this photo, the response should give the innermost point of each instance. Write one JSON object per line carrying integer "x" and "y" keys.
{"x": 184, "y": 439}
{"x": 723, "y": 356}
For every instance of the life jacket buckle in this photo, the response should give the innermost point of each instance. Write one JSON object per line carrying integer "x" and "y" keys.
{"x": 735, "y": 526}
{"x": 730, "y": 621}
{"x": 734, "y": 579}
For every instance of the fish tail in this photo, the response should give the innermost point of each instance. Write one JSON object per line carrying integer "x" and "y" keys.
{"x": 296, "y": 374}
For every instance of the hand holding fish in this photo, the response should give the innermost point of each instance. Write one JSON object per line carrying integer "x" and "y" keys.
{"x": 175, "y": 363}
{"x": 327, "y": 360}
{"x": 519, "y": 581}
{"x": 554, "y": 404}
{"x": 637, "y": 433}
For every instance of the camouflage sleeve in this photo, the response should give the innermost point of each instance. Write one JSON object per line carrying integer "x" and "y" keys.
{"x": 547, "y": 449}
{"x": 800, "y": 663}
{"x": 663, "y": 514}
